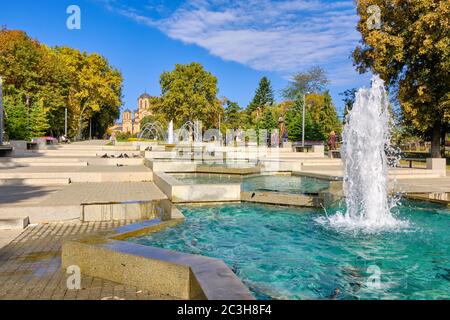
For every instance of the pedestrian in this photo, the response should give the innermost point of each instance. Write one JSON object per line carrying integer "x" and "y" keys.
{"x": 332, "y": 141}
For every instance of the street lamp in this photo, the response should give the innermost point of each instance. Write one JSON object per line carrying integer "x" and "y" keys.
{"x": 1, "y": 111}
{"x": 303, "y": 118}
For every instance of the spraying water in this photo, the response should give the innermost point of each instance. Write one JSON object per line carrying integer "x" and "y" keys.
{"x": 366, "y": 139}
{"x": 170, "y": 139}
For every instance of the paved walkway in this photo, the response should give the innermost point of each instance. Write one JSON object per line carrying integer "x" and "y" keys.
{"x": 30, "y": 266}
{"x": 20, "y": 195}
{"x": 90, "y": 169}
{"x": 104, "y": 192}
{"x": 6, "y": 236}
{"x": 424, "y": 185}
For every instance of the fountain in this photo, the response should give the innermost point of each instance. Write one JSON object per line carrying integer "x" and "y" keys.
{"x": 152, "y": 129}
{"x": 184, "y": 133}
{"x": 366, "y": 140}
{"x": 170, "y": 139}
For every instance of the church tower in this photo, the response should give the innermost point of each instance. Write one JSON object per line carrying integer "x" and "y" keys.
{"x": 127, "y": 122}
{"x": 144, "y": 105}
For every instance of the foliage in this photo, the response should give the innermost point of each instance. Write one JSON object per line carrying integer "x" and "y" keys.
{"x": 294, "y": 124}
{"x": 232, "y": 115}
{"x": 313, "y": 81}
{"x": 124, "y": 136}
{"x": 94, "y": 84}
{"x": 15, "y": 123}
{"x": 268, "y": 121}
{"x": 349, "y": 96}
{"x": 411, "y": 52}
{"x": 50, "y": 79}
{"x": 263, "y": 96}
{"x": 38, "y": 122}
{"x": 190, "y": 93}
{"x": 328, "y": 118}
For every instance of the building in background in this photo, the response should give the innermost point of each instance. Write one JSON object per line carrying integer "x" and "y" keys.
{"x": 131, "y": 120}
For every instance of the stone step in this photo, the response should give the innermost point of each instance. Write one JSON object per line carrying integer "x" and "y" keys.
{"x": 34, "y": 182}
{"x": 115, "y": 161}
{"x": 14, "y": 223}
{"x": 39, "y": 159}
{"x": 73, "y": 154}
{"x": 42, "y": 164}
{"x": 107, "y": 176}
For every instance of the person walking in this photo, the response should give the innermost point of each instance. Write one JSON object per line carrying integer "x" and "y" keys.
{"x": 332, "y": 141}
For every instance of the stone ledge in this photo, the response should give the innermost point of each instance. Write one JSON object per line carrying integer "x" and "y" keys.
{"x": 284, "y": 199}
{"x": 178, "y": 192}
{"x": 160, "y": 271}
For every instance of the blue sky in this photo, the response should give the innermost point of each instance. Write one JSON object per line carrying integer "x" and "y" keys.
{"x": 238, "y": 41}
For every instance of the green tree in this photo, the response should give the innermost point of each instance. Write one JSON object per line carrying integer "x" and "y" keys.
{"x": 190, "y": 93}
{"x": 38, "y": 123}
{"x": 94, "y": 84}
{"x": 263, "y": 96}
{"x": 268, "y": 120}
{"x": 32, "y": 73}
{"x": 41, "y": 82}
{"x": 15, "y": 120}
{"x": 294, "y": 124}
{"x": 328, "y": 118}
{"x": 411, "y": 53}
{"x": 232, "y": 115}
{"x": 313, "y": 81}
{"x": 349, "y": 96}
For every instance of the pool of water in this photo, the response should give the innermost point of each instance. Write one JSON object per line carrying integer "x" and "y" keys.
{"x": 283, "y": 253}
{"x": 273, "y": 183}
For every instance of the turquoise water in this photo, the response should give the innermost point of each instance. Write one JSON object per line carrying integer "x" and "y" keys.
{"x": 282, "y": 253}
{"x": 274, "y": 183}
{"x": 285, "y": 184}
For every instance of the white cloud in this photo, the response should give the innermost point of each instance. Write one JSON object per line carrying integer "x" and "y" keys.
{"x": 280, "y": 36}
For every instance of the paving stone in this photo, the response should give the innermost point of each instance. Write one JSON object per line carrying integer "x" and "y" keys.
{"x": 30, "y": 266}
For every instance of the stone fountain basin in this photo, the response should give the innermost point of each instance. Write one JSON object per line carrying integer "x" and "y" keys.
{"x": 162, "y": 272}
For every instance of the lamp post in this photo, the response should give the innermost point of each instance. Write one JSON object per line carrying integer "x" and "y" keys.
{"x": 1, "y": 111}
{"x": 303, "y": 118}
{"x": 65, "y": 122}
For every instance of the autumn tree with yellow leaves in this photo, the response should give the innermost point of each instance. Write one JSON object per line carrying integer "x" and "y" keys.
{"x": 406, "y": 42}
{"x": 40, "y": 82}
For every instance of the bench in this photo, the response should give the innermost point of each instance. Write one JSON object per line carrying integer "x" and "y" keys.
{"x": 305, "y": 148}
{"x": 411, "y": 160}
{"x": 5, "y": 151}
{"x": 32, "y": 146}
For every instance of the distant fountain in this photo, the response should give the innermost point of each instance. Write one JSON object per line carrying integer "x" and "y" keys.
{"x": 170, "y": 139}
{"x": 366, "y": 140}
{"x": 188, "y": 129}
{"x": 152, "y": 130}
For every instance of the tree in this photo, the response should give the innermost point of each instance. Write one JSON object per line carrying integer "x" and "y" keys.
{"x": 38, "y": 78}
{"x": 94, "y": 84}
{"x": 328, "y": 118}
{"x": 33, "y": 75}
{"x": 15, "y": 121}
{"x": 349, "y": 96}
{"x": 38, "y": 123}
{"x": 189, "y": 93}
{"x": 294, "y": 124}
{"x": 263, "y": 96}
{"x": 313, "y": 81}
{"x": 232, "y": 115}
{"x": 410, "y": 52}
{"x": 268, "y": 120}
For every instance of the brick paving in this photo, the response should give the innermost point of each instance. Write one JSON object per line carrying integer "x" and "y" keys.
{"x": 30, "y": 266}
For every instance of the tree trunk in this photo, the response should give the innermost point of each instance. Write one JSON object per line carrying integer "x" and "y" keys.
{"x": 436, "y": 140}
